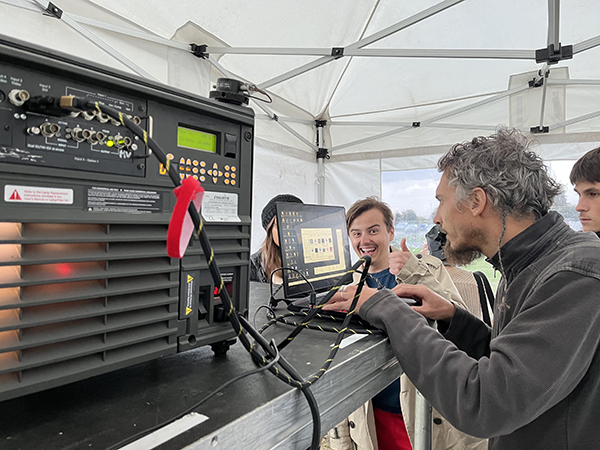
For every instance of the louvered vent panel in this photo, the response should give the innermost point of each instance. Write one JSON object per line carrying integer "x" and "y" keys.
{"x": 82, "y": 299}
{"x": 230, "y": 243}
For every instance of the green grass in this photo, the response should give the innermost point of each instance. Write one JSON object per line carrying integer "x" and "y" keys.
{"x": 480, "y": 265}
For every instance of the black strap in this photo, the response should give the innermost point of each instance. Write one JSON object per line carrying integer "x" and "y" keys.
{"x": 485, "y": 295}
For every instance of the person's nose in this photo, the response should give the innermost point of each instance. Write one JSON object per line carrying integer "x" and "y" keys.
{"x": 437, "y": 219}
{"x": 582, "y": 205}
{"x": 364, "y": 239}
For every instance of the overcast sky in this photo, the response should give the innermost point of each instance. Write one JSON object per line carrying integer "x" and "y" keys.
{"x": 415, "y": 189}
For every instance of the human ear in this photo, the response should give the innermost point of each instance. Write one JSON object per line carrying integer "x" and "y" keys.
{"x": 477, "y": 201}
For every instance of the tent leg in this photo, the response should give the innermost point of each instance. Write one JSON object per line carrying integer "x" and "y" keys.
{"x": 422, "y": 423}
{"x": 322, "y": 153}
{"x": 320, "y": 182}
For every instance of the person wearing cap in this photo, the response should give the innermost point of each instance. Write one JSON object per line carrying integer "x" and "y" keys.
{"x": 267, "y": 258}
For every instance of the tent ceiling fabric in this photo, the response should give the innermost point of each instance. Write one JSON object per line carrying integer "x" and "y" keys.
{"x": 370, "y": 102}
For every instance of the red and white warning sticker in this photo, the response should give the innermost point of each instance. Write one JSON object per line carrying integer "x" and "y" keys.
{"x": 35, "y": 194}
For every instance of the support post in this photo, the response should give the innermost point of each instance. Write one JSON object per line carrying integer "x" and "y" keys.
{"x": 322, "y": 154}
{"x": 422, "y": 423}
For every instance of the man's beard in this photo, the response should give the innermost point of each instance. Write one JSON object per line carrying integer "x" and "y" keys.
{"x": 463, "y": 254}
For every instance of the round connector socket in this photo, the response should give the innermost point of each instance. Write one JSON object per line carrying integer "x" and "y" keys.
{"x": 18, "y": 96}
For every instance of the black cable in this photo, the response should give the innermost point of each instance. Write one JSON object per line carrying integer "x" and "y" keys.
{"x": 366, "y": 260}
{"x": 70, "y": 103}
{"x": 310, "y": 398}
{"x": 268, "y": 307}
{"x": 147, "y": 431}
{"x": 283, "y": 269}
{"x": 295, "y": 380}
{"x": 284, "y": 319}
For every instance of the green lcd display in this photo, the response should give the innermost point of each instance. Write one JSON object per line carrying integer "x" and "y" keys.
{"x": 197, "y": 140}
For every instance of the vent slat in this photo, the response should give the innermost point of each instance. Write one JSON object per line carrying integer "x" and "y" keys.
{"x": 224, "y": 261}
{"x": 82, "y": 309}
{"x": 64, "y": 331}
{"x": 50, "y": 255}
{"x": 80, "y": 368}
{"x": 227, "y": 233}
{"x": 67, "y": 292}
{"x": 63, "y": 351}
{"x": 219, "y": 247}
{"x": 47, "y": 274}
{"x": 35, "y": 233}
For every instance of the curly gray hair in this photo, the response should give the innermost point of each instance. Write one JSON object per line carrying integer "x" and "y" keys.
{"x": 514, "y": 178}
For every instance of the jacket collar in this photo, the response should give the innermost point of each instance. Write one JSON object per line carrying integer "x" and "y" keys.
{"x": 528, "y": 245}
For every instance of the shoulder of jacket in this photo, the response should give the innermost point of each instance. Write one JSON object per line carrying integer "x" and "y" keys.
{"x": 431, "y": 260}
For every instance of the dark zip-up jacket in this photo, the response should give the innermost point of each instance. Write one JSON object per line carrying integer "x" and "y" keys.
{"x": 533, "y": 381}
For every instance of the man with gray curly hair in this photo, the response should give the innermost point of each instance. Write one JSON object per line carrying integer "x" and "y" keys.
{"x": 533, "y": 380}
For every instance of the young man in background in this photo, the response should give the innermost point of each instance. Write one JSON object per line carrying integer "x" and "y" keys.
{"x": 585, "y": 176}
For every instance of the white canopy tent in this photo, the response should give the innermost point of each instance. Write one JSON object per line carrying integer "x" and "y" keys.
{"x": 382, "y": 85}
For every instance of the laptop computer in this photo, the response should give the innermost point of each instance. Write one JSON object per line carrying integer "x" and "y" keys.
{"x": 313, "y": 241}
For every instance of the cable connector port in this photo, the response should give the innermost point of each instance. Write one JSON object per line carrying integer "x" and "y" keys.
{"x": 45, "y": 104}
{"x": 77, "y": 134}
{"x": 49, "y": 129}
{"x": 88, "y": 115}
{"x": 18, "y": 97}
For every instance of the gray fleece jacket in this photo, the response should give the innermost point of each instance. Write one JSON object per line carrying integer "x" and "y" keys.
{"x": 533, "y": 382}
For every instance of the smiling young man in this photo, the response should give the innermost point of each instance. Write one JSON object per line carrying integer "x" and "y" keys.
{"x": 533, "y": 381}
{"x": 370, "y": 224}
{"x": 585, "y": 177}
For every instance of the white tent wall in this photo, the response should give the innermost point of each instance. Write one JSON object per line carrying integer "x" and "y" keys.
{"x": 278, "y": 170}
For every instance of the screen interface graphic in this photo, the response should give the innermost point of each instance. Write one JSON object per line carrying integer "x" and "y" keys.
{"x": 314, "y": 242}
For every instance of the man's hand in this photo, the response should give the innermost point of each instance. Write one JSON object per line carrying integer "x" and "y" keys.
{"x": 433, "y": 305}
{"x": 399, "y": 259}
{"x": 342, "y": 300}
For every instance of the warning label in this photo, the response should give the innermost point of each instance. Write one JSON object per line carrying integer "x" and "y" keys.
{"x": 189, "y": 297}
{"x": 132, "y": 201}
{"x": 35, "y": 194}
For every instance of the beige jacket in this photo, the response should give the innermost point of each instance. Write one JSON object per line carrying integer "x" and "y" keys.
{"x": 443, "y": 435}
{"x": 357, "y": 432}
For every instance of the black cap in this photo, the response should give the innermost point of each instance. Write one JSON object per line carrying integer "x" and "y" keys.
{"x": 268, "y": 211}
{"x": 435, "y": 242}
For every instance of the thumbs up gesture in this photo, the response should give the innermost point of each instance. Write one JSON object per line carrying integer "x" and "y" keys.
{"x": 399, "y": 259}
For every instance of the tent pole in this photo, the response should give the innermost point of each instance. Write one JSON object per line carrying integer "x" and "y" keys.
{"x": 61, "y": 15}
{"x": 435, "y": 9}
{"x": 544, "y": 89}
{"x": 575, "y": 120}
{"x": 422, "y": 423}
{"x": 586, "y": 45}
{"x": 553, "y": 22}
{"x": 437, "y": 118}
{"x": 322, "y": 154}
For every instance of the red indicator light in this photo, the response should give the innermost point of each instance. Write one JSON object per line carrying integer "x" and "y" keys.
{"x": 64, "y": 269}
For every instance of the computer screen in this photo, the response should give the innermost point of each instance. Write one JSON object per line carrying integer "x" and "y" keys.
{"x": 314, "y": 241}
